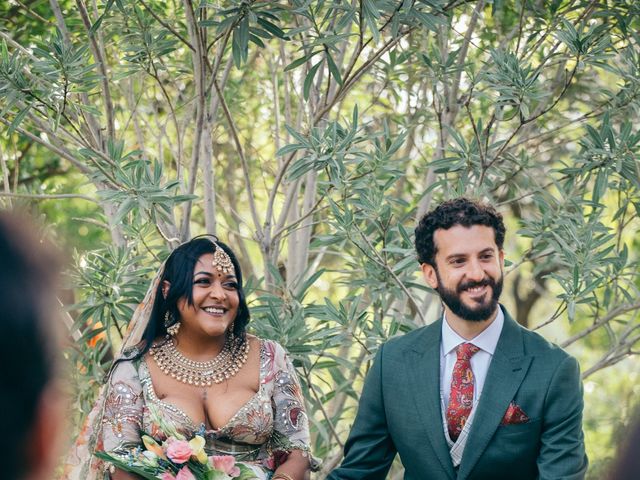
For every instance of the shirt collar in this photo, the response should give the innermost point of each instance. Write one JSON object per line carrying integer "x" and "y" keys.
{"x": 485, "y": 340}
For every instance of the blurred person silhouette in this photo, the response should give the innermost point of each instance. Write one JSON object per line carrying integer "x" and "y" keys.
{"x": 627, "y": 463}
{"x": 31, "y": 402}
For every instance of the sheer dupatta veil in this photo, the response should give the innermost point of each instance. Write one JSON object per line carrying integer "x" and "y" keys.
{"x": 80, "y": 463}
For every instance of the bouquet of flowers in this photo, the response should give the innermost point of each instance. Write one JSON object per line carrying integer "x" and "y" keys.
{"x": 170, "y": 456}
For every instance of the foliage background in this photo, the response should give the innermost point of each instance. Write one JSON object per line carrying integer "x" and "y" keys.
{"x": 310, "y": 135}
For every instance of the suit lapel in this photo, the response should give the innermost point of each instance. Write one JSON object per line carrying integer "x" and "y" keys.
{"x": 506, "y": 372}
{"x": 424, "y": 368}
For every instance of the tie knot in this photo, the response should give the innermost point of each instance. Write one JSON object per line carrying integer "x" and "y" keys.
{"x": 466, "y": 351}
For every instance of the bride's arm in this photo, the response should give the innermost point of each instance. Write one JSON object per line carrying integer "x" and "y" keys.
{"x": 295, "y": 467}
{"x": 123, "y": 413}
{"x": 290, "y": 419}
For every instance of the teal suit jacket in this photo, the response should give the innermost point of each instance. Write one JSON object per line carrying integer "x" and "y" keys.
{"x": 400, "y": 412}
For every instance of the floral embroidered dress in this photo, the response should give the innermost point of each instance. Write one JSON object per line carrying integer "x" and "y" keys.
{"x": 271, "y": 424}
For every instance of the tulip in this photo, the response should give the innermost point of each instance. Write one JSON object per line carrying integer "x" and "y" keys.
{"x": 197, "y": 448}
{"x": 226, "y": 464}
{"x": 152, "y": 446}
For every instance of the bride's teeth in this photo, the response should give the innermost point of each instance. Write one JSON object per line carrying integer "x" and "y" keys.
{"x": 214, "y": 310}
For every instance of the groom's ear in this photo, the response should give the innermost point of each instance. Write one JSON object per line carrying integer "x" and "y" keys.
{"x": 429, "y": 274}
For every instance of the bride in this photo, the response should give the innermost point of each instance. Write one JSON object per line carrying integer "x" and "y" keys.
{"x": 188, "y": 358}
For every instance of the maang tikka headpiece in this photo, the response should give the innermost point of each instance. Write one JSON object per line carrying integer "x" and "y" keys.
{"x": 222, "y": 261}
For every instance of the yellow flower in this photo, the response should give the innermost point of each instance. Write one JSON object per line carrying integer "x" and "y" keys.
{"x": 153, "y": 446}
{"x": 197, "y": 447}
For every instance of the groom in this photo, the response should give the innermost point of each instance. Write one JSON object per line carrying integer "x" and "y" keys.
{"x": 474, "y": 395}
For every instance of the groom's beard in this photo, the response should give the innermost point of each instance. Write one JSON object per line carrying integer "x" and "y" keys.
{"x": 480, "y": 311}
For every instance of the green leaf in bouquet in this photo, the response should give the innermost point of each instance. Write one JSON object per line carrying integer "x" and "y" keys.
{"x": 217, "y": 475}
{"x": 167, "y": 427}
{"x": 245, "y": 473}
{"x": 127, "y": 466}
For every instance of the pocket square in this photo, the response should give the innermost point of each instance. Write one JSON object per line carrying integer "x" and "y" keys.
{"x": 514, "y": 415}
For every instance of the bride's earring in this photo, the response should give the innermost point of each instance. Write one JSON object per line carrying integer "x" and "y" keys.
{"x": 230, "y": 333}
{"x": 171, "y": 324}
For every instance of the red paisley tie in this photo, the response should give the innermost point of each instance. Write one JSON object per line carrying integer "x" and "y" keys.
{"x": 461, "y": 398}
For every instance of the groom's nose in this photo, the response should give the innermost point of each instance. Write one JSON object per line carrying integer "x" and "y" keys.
{"x": 475, "y": 271}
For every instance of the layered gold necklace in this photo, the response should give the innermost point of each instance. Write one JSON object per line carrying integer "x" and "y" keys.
{"x": 223, "y": 366}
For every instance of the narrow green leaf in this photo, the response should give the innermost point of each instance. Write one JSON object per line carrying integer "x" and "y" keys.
{"x": 94, "y": 28}
{"x": 299, "y": 61}
{"x": 292, "y": 147}
{"x": 253, "y": 38}
{"x": 298, "y": 136}
{"x": 308, "y": 81}
{"x": 243, "y": 37}
{"x": 260, "y": 33}
{"x": 600, "y": 186}
{"x": 303, "y": 289}
{"x": 272, "y": 28}
{"x": 17, "y": 120}
{"x": 333, "y": 68}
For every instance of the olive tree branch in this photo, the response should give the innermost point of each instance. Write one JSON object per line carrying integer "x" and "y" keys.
{"x": 243, "y": 161}
{"x": 52, "y": 196}
{"x": 102, "y": 66}
{"x": 616, "y": 312}
{"x": 167, "y": 26}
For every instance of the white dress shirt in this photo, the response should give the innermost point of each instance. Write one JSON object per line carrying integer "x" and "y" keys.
{"x": 486, "y": 341}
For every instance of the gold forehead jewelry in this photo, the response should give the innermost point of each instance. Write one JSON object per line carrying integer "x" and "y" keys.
{"x": 222, "y": 261}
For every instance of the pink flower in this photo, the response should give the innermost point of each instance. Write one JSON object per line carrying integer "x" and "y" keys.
{"x": 270, "y": 463}
{"x": 179, "y": 451}
{"x": 226, "y": 464}
{"x": 185, "y": 474}
{"x": 167, "y": 476}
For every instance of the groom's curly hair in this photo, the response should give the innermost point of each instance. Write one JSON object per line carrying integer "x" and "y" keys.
{"x": 459, "y": 211}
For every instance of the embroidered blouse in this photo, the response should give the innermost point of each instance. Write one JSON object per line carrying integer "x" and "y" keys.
{"x": 261, "y": 433}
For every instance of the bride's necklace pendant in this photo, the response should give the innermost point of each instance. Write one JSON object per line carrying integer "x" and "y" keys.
{"x": 223, "y": 366}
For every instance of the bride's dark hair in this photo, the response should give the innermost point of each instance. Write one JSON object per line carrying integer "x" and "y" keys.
{"x": 178, "y": 271}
